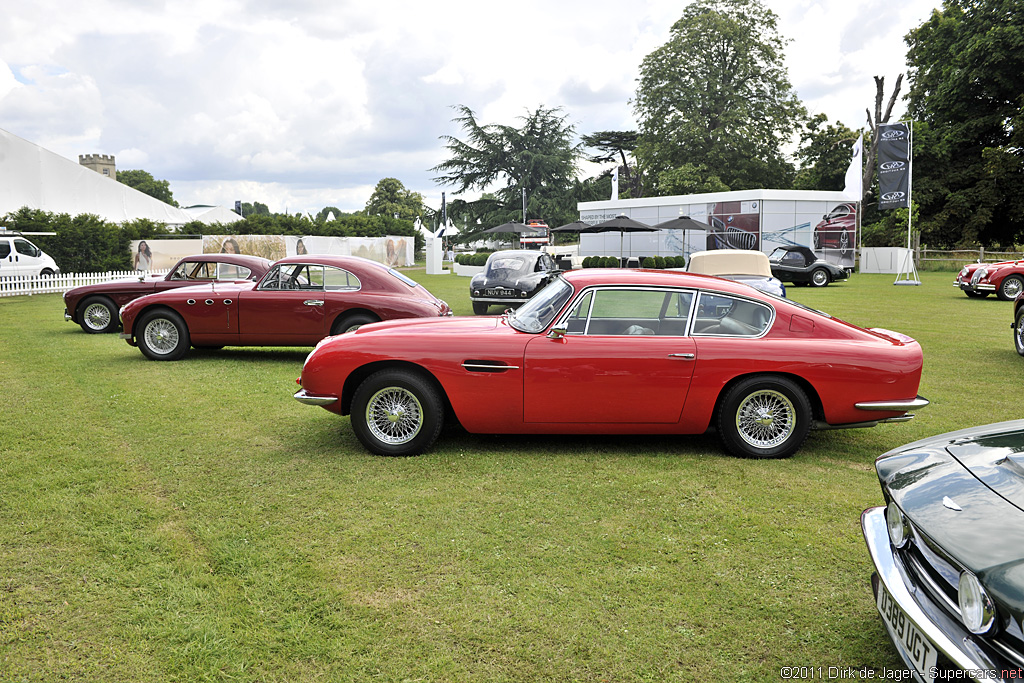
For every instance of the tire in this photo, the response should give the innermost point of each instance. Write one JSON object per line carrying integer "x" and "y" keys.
{"x": 820, "y": 278}
{"x": 162, "y": 335}
{"x": 352, "y": 322}
{"x": 46, "y": 272}
{"x": 397, "y": 413}
{"x": 976, "y": 295}
{"x": 480, "y": 308}
{"x": 1018, "y": 331}
{"x": 98, "y": 315}
{"x": 1010, "y": 288}
{"x": 764, "y": 417}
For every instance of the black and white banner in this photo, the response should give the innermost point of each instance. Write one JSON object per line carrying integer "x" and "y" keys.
{"x": 893, "y": 166}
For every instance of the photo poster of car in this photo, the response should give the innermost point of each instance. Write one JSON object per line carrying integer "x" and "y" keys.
{"x": 268, "y": 246}
{"x": 392, "y": 250}
{"x": 162, "y": 254}
{"x": 829, "y": 229}
{"x": 734, "y": 225}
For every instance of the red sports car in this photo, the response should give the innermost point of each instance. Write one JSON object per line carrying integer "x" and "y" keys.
{"x": 837, "y": 229}
{"x": 94, "y": 307}
{"x": 978, "y": 280}
{"x": 619, "y": 352}
{"x": 301, "y": 300}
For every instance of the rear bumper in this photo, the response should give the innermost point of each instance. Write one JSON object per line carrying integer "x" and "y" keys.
{"x": 303, "y": 396}
{"x": 904, "y": 405}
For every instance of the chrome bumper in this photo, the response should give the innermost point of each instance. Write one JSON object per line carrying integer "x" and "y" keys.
{"x": 947, "y": 635}
{"x": 67, "y": 316}
{"x": 303, "y": 396}
{"x": 911, "y": 404}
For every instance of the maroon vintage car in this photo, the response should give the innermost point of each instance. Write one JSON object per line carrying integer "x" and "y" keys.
{"x": 619, "y": 352}
{"x": 1005, "y": 279}
{"x": 837, "y": 229}
{"x": 301, "y": 300}
{"x": 95, "y": 307}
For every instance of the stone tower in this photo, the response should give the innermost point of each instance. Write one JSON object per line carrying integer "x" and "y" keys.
{"x": 101, "y": 163}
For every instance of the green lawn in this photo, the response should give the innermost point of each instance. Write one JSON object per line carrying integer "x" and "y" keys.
{"x": 190, "y": 521}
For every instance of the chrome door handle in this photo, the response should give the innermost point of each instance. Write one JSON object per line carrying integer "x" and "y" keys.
{"x": 684, "y": 356}
{"x": 313, "y": 302}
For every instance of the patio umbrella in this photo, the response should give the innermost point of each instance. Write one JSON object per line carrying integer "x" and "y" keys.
{"x": 514, "y": 227}
{"x": 620, "y": 224}
{"x": 575, "y": 226}
{"x": 683, "y": 223}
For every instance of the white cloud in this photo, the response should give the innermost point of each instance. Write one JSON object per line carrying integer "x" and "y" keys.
{"x": 308, "y": 103}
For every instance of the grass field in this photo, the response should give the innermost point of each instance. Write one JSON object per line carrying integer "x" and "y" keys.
{"x": 190, "y": 521}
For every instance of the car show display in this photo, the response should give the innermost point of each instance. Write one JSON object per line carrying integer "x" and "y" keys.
{"x": 619, "y": 351}
{"x": 300, "y": 300}
{"x": 948, "y": 552}
{"x": 510, "y": 277}
{"x": 1004, "y": 279}
{"x": 801, "y": 266}
{"x": 95, "y": 307}
{"x": 748, "y": 266}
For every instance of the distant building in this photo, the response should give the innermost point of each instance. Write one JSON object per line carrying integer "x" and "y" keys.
{"x": 101, "y": 163}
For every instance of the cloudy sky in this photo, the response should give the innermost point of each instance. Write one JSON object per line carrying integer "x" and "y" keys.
{"x": 308, "y": 103}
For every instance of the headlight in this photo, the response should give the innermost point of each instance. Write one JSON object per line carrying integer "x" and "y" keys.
{"x": 899, "y": 530}
{"x": 976, "y": 609}
{"x": 963, "y": 273}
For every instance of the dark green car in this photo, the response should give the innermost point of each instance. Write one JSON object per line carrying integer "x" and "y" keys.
{"x": 948, "y": 550}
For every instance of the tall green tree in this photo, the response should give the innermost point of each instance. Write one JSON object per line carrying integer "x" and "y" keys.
{"x": 143, "y": 181}
{"x": 618, "y": 146}
{"x": 967, "y": 90}
{"x": 391, "y": 198}
{"x": 539, "y": 156}
{"x": 717, "y": 94}
{"x": 824, "y": 155}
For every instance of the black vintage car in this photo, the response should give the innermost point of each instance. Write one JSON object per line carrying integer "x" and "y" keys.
{"x": 511, "y": 277}
{"x": 800, "y": 266}
{"x": 948, "y": 550}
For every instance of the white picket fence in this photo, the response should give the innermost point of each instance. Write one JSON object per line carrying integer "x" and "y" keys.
{"x": 50, "y": 284}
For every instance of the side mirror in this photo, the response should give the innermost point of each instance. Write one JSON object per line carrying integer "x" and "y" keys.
{"x": 557, "y": 332}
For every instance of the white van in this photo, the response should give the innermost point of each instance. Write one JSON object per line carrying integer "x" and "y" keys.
{"x": 21, "y": 258}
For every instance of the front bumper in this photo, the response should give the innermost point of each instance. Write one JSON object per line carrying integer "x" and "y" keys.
{"x": 956, "y": 646}
{"x": 303, "y": 396}
{"x": 910, "y": 404}
{"x": 967, "y": 286}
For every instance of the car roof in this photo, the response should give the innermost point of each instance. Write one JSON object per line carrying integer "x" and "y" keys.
{"x": 237, "y": 259}
{"x": 332, "y": 260}
{"x": 506, "y": 253}
{"x": 730, "y": 262}
{"x": 638, "y": 277}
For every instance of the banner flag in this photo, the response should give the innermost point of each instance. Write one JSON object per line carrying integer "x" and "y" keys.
{"x": 854, "y": 189}
{"x": 893, "y": 166}
{"x": 615, "y": 184}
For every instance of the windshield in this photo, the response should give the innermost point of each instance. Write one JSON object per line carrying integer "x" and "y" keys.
{"x": 537, "y": 313}
{"x": 507, "y": 266}
{"x": 778, "y": 254}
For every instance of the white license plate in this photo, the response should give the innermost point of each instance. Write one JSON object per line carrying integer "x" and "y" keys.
{"x": 921, "y": 650}
{"x": 500, "y": 292}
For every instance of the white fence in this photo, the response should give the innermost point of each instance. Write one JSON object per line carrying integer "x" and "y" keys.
{"x": 50, "y": 284}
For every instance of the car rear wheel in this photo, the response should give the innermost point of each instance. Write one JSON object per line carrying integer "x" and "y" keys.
{"x": 98, "y": 315}
{"x": 819, "y": 278}
{"x": 479, "y": 308}
{"x": 764, "y": 417}
{"x": 1011, "y": 287}
{"x": 1018, "y": 331}
{"x": 352, "y": 322}
{"x": 162, "y": 335}
{"x": 397, "y": 412}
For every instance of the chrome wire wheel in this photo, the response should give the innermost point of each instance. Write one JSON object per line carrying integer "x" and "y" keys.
{"x": 765, "y": 419}
{"x": 1011, "y": 287}
{"x": 161, "y": 336}
{"x": 97, "y": 316}
{"x": 819, "y": 278}
{"x": 1018, "y": 332}
{"x": 394, "y": 415}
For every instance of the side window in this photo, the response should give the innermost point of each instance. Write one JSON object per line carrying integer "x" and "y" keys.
{"x": 26, "y": 248}
{"x": 338, "y": 279}
{"x": 5, "y": 249}
{"x": 619, "y": 312}
{"x": 229, "y": 271}
{"x": 287, "y": 276}
{"x": 577, "y": 323}
{"x": 311, "y": 277}
{"x": 793, "y": 257}
{"x": 183, "y": 270}
{"x": 725, "y": 316}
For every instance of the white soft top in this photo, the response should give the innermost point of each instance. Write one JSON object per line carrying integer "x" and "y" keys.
{"x": 730, "y": 262}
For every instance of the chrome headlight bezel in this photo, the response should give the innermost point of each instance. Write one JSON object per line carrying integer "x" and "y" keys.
{"x": 977, "y": 611}
{"x": 897, "y": 525}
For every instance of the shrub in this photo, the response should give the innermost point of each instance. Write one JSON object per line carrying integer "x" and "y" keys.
{"x": 659, "y": 261}
{"x": 648, "y": 262}
{"x": 480, "y": 259}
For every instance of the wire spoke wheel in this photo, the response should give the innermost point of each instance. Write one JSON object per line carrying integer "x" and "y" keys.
{"x": 97, "y": 316}
{"x": 394, "y": 415}
{"x": 765, "y": 419}
{"x": 161, "y": 336}
{"x": 1018, "y": 332}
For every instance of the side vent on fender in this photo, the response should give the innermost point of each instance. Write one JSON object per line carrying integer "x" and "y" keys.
{"x": 475, "y": 365}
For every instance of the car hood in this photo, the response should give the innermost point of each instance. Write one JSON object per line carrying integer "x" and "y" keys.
{"x": 964, "y": 491}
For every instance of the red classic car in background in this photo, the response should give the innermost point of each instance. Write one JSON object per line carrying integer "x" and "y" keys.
{"x": 978, "y": 280}
{"x": 95, "y": 307}
{"x": 619, "y": 352}
{"x": 301, "y": 300}
{"x": 837, "y": 229}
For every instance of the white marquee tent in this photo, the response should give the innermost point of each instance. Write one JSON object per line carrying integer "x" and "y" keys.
{"x": 39, "y": 179}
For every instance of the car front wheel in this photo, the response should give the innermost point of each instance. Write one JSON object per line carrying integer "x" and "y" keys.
{"x": 1011, "y": 287}
{"x": 397, "y": 412}
{"x": 162, "y": 335}
{"x": 819, "y": 278}
{"x": 764, "y": 417}
{"x": 1018, "y": 331}
{"x": 98, "y": 315}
